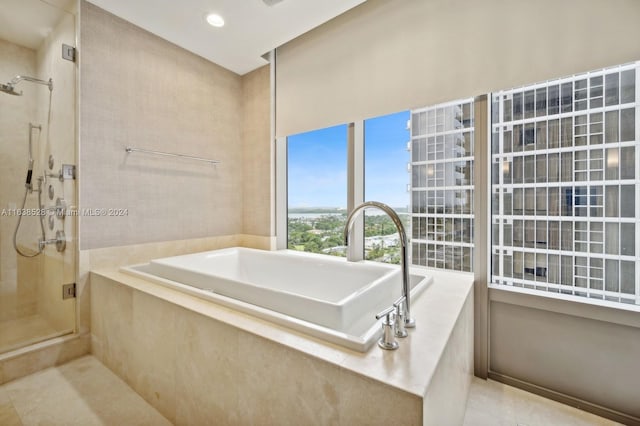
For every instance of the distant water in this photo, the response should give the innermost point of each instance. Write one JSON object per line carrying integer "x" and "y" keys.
{"x": 311, "y": 215}
{"x": 370, "y": 212}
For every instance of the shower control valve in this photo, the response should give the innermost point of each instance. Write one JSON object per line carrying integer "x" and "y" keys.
{"x": 60, "y": 241}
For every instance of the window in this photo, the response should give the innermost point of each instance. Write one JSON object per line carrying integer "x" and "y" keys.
{"x": 317, "y": 190}
{"x": 418, "y": 162}
{"x": 565, "y": 173}
{"x": 386, "y": 178}
{"x": 564, "y": 186}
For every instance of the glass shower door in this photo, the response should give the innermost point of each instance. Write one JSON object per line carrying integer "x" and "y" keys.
{"x": 37, "y": 137}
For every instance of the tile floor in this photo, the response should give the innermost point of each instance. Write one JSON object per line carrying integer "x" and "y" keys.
{"x": 495, "y": 404}
{"x": 84, "y": 392}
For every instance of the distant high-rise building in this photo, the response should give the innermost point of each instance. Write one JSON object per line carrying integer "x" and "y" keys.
{"x": 442, "y": 185}
{"x": 565, "y": 184}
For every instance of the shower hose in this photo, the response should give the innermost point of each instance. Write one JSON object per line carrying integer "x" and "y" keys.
{"x": 15, "y": 233}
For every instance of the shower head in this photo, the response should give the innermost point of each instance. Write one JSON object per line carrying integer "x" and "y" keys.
{"x": 10, "y": 89}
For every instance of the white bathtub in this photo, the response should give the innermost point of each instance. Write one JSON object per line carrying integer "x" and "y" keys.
{"x": 324, "y": 296}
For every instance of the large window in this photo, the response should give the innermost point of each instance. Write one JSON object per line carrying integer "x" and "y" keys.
{"x": 564, "y": 192}
{"x": 317, "y": 190}
{"x": 419, "y": 162}
{"x": 564, "y": 186}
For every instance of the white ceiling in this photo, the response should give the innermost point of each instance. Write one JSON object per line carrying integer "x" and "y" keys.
{"x": 28, "y": 22}
{"x": 252, "y": 28}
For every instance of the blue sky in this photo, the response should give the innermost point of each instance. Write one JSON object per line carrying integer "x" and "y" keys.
{"x": 317, "y": 164}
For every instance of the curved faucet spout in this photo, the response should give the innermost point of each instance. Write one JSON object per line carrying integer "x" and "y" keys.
{"x": 408, "y": 321}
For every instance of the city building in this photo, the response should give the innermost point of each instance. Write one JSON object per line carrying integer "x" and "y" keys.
{"x": 442, "y": 185}
{"x": 565, "y": 178}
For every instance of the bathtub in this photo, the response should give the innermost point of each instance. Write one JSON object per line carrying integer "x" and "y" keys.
{"x": 324, "y": 296}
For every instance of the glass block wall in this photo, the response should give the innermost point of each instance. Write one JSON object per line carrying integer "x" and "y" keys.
{"x": 442, "y": 185}
{"x": 565, "y": 186}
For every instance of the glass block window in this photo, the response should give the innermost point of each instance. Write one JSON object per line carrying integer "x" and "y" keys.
{"x": 565, "y": 182}
{"x": 441, "y": 146}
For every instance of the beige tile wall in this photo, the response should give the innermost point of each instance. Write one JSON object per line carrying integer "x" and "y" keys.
{"x": 16, "y": 297}
{"x": 256, "y": 152}
{"x": 137, "y": 89}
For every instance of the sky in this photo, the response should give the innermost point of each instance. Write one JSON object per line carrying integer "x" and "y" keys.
{"x": 317, "y": 164}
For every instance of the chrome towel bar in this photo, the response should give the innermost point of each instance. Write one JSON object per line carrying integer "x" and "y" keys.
{"x": 170, "y": 154}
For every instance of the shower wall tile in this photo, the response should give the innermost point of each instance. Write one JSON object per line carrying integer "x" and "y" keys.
{"x": 17, "y": 112}
{"x": 155, "y": 95}
{"x": 257, "y": 151}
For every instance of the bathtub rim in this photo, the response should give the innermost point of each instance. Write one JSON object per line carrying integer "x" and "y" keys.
{"x": 391, "y": 270}
{"x": 361, "y": 343}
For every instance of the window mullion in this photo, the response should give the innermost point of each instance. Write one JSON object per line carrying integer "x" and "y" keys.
{"x": 355, "y": 190}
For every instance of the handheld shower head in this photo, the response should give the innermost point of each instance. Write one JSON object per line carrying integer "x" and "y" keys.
{"x": 10, "y": 89}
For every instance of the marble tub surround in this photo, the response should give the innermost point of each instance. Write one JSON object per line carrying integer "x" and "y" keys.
{"x": 213, "y": 362}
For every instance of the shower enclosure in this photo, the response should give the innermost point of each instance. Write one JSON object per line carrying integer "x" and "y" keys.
{"x": 37, "y": 184}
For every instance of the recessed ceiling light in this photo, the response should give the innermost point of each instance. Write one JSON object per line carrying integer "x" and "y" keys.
{"x": 215, "y": 20}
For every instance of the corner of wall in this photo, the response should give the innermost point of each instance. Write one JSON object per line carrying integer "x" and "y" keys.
{"x": 256, "y": 152}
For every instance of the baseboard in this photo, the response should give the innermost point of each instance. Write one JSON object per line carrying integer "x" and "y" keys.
{"x": 596, "y": 409}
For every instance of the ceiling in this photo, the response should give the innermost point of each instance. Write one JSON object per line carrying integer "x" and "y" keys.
{"x": 252, "y": 28}
{"x": 28, "y": 22}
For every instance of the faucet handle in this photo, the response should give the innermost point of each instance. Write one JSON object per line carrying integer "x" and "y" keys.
{"x": 400, "y": 330}
{"x": 388, "y": 341}
{"x": 385, "y": 313}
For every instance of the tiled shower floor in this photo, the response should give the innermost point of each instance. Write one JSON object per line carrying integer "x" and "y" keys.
{"x": 84, "y": 392}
